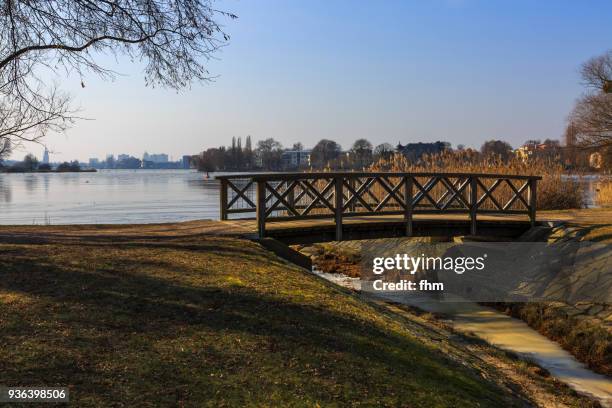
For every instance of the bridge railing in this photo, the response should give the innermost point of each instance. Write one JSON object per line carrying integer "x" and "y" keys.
{"x": 337, "y": 195}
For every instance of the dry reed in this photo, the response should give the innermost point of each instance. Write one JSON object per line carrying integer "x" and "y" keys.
{"x": 555, "y": 190}
{"x": 604, "y": 193}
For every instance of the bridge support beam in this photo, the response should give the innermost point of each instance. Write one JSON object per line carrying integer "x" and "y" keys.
{"x": 338, "y": 206}
{"x": 473, "y": 204}
{"x": 408, "y": 185}
{"x": 532, "y": 200}
{"x": 261, "y": 208}
{"x": 223, "y": 199}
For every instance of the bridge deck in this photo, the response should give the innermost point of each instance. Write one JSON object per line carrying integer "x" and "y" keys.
{"x": 383, "y": 226}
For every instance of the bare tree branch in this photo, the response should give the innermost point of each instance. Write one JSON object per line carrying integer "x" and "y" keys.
{"x": 174, "y": 38}
{"x": 597, "y": 72}
{"x": 591, "y": 119}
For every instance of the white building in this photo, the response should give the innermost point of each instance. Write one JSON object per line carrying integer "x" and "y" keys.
{"x": 45, "y": 159}
{"x": 293, "y": 159}
{"x": 155, "y": 158}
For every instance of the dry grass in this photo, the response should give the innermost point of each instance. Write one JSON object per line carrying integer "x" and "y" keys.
{"x": 604, "y": 193}
{"x": 555, "y": 192}
{"x": 330, "y": 259}
{"x": 135, "y": 319}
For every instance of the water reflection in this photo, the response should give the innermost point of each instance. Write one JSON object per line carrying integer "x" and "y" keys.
{"x": 109, "y": 196}
{"x": 5, "y": 190}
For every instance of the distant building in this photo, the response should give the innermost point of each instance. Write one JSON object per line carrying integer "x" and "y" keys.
{"x": 94, "y": 163}
{"x": 155, "y": 158}
{"x": 295, "y": 159}
{"x": 45, "y": 159}
{"x": 258, "y": 158}
{"x": 525, "y": 152}
{"x": 530, "y": 150}
{"x": 186, "y": 162}
{"x": 415, "y": 151}
{"x": 125, "y": 161}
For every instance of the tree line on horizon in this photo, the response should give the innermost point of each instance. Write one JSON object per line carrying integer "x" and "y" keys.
{"x": 267, "y": 154}
{"x": 31, "y": 164}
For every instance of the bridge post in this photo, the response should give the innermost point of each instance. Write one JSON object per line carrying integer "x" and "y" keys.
{"x": 408, "y": 202}
{"x": 261, "y": 208}
{"x": 473, "y": 204}
{"x": 351, "y": 182}
{"x": 223, "y": 200}
{"x": 338, "y": 206}
{"x": 532, "y": 199}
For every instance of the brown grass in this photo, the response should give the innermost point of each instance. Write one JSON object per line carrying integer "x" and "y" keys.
{"x": 133, "y": 318}
{"x": 555, "y": 192}
{"x": 604, "y": 193}
{"x": 330, "y": 259}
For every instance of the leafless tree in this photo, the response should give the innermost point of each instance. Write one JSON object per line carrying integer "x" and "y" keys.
{"x": 383, "y": 151}
{"x": 597, "y": 72}
{"x": 173, "y": 38}
{"x": 591, "y": 118}
{"x": 5, "y": 149}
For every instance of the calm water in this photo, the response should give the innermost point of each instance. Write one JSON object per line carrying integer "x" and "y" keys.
{"x": 108, "y": 197}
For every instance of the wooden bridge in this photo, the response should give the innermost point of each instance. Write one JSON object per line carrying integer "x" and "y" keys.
{"x": 309, "y": 207}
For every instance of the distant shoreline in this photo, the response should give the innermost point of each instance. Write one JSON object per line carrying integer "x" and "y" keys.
{"x": 11, "y": 171}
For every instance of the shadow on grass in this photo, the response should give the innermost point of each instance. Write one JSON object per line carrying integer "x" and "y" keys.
{"x": 120, "y": 303}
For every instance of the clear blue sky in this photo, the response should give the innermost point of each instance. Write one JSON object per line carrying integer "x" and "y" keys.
{"x": 462, "y": 71}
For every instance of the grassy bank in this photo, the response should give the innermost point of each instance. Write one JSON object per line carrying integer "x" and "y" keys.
{"x": 139, "y": 319}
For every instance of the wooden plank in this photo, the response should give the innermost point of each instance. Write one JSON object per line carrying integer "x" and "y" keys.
{"x": 261, "y": 209}
{"x": 532, "y": 201}
{"x": 473, "y": 204}
{"x": 408, "y": 204}
{"x": 316, "y": 175}
{"x": 223, "y": 205}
